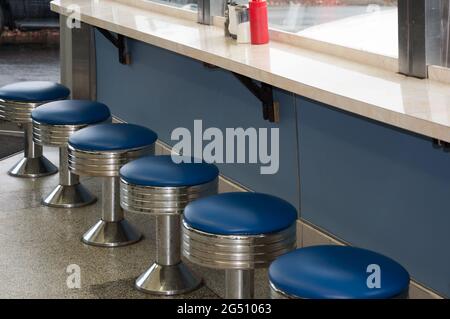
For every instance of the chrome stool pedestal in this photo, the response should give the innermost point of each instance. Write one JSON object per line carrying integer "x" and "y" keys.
{"x": 101, "y": 151}
{"x": 69, "y": 193}
{"x": 33, "y": 164}
{"x": 17, "y": 101}
{"x": 239, "y": 283}
{"x": 167, "y": 275}
{"x": 53, "y": 124}
{"x": 157, "y": 186}
{"x": 112, "y": 230}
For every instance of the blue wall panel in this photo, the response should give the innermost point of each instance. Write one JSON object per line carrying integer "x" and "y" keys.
{"x": 163, "y": 91}
{"x": 369, "y": 184}
{"x": 377, "y": 187}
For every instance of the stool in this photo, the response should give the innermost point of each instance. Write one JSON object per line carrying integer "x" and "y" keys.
{"x": 336, "y": 272}
{"x": 160, "y": 187}
{"x": 238, "y": 232}
{"x": 100, "y": 151}
{"x": 16, "y": 103}
{"x": 53, "y": 124}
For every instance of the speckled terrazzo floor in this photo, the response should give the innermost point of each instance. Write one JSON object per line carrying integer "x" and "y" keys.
{"x": 39, "y": 243}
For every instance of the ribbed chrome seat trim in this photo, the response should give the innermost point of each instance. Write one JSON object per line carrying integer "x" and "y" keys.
{"x": 103, "y": 163}
{"x": 162, "y": 200}
{"x": 236, "y": 252}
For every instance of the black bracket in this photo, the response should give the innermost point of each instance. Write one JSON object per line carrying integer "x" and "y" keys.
{"x": 120, "y": 43}
{"x": 263, "y": 92}
{"x": 438, "y": 144}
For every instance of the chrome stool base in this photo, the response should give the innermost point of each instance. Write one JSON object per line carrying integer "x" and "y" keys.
{"x": 69, "y": 196}
{"x": 168, "y": 275}
{"x": 239, "y": 283}
{"x": 33, "y": 168}
{"x": 167, "y": 280}
{"x": 111, "y": 234}
{"x": 69, "y": 193}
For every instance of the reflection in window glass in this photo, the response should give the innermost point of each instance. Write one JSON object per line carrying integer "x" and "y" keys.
{"x": 185, "y": 4}
{"x": 366, "y": 25}
{"x": 297, "y": 15}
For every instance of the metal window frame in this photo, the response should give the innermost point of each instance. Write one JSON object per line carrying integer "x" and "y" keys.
{"x": 423, "y": 32}
{"x": 412, "y": 38}
{"x": 207, "y": 9}
{"x": 424, "y": 35}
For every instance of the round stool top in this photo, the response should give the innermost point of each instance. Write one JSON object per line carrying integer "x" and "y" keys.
{"x": 112, "y": 137}
{"x": 71, "y": 112}
{"x": 336, "y": 272}
{"x": 240, "y": 214}
{"x": 162, "y": 171}
{"x": 33, "y": 91}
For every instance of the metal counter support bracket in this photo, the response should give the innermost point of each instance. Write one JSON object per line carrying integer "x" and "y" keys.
{"x": 264, "y": 93}
{"x": 119, "y": 42}
{"x": 438, "y": 144}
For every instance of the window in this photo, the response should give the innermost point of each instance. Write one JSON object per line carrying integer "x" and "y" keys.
{"x": 364, "y": 25}
{"x": 367, "y": 25}
{"x": 185, "y": 4}
{"x": 438, "y": 32}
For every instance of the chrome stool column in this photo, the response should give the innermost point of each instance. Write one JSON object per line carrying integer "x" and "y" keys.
{"x": 16, "y": 103}
{"x": 100, "y": 151}
{"x": 238, "y": 232}
{"x": 336, "y": 272}
{"x": 53, "y": 124}
{"x": 158, "y": 186}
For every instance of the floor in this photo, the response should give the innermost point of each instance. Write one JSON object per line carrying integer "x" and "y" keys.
{"x": 27, "y": 62}
{"x": 39, "y": 243}
{"x": 10, "y": 145}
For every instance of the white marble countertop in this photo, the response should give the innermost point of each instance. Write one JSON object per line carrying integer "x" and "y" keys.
{"x": 421, "y": 106}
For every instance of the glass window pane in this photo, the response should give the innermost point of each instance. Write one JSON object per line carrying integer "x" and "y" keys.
{"x": 368, "y": 25}
{"x": 438, "y": 32}
{"x": 186, "y": 4}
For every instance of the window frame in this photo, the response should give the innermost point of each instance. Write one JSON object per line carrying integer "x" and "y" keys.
{"x": 412, "y": 24}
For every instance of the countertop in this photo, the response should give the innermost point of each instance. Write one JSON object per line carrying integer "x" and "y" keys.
{"x": 420, "y": 106}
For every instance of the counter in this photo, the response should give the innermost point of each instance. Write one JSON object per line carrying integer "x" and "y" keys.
{"x": 355, "y": 151}
{"x": 420, "y": 106}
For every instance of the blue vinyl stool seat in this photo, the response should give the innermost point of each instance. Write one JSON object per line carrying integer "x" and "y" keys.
{"x": 71, "y": 112}
{"x": 162, "y": 186}
{"x": 113, "y": 137}
{"x": 34, "y": 92}
{"x": 238, "y": 232}
{"x": 168, "y": 171}
{"x": 53, "y": 124}
{"x": 337, "y": 272}
{"x": 17, "y": 101}
{"x": 100, "y": 151}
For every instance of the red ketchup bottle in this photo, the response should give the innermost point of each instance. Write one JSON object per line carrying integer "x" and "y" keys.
{"x": 259, "y": 24}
